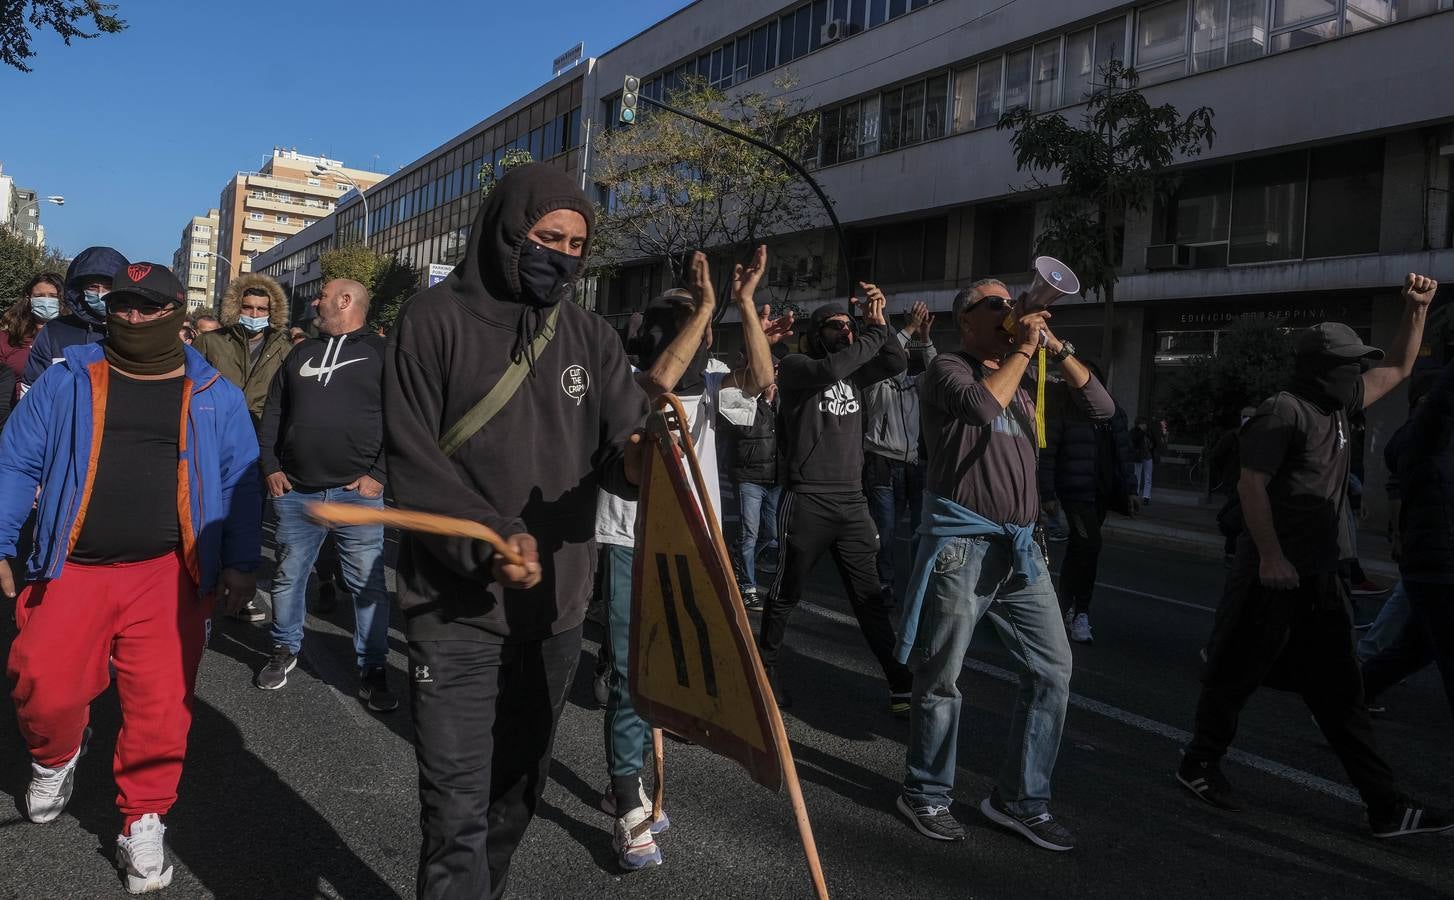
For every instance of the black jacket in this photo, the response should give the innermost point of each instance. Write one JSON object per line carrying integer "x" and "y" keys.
{"x": 538, "y": 465}
{"x": 753, "y": 458}
{"x": 820, "y": 419}
{"x": 1426, "y": 472}
{"x": 323, "y": 422}
{"x": 1068, "y": 468}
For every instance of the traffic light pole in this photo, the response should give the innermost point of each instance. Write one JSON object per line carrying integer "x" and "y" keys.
{"x": 786, "y": 160}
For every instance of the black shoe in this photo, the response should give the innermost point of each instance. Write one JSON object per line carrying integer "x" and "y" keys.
{"x": 1042, "y": 830}
{"x": 779, "y": 693}
{"x": 373, "y": 689}
{"x": 251, "y": 611}
{"x": 601, "y": 688}
{"x": 327, "y": 600}
{"x": 931, "y": 821}
{"x": 899, "y": 704}
{"x": 752, "y": 600}
{"x": 1206, "y": 781}
{"x": 275, "y": 674}
{"x": 1408, "y": 817}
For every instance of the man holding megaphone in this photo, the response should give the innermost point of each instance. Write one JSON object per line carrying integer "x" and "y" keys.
{"x": 977, "y": 550}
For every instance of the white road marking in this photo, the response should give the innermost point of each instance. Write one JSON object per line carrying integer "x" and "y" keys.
{"x": 1141, "y": 723}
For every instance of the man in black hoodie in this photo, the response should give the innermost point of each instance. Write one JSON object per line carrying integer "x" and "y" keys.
{"x": 88, "y": 279}
{"x": 321, "y": 440}
{"x": 493, "y": 646}
{"x": 820, "y": 430}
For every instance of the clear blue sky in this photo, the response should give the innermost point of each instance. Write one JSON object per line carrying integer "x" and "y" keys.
{"x": 139, "y": 131}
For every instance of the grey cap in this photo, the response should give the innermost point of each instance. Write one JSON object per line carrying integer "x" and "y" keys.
{"x": 1334, "y": 339}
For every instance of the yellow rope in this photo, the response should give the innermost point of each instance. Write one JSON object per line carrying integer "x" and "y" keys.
{"x": 1040, "y": 399}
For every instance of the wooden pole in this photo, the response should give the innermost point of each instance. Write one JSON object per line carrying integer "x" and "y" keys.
{"x": 779, "y": 731}
{"x": 428, "y": 523}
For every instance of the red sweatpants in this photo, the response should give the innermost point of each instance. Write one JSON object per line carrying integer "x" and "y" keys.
{"x": 147, "y": 618}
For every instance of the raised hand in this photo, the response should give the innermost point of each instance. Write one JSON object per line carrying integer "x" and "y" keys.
{"x": 776, "y": 329}
{"x": 1419, "y": 289}
{"x": 745, "y": 278}
{"x": 699, "y": 282}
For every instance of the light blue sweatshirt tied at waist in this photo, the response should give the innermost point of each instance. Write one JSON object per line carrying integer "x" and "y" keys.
{"x": 944, "y": 520}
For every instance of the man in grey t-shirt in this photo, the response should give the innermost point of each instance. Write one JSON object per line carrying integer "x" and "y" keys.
{"x": 981, "y": 503}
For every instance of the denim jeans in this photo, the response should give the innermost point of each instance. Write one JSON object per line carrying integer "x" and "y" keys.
{"x": 1143, "y": 469}
{"x": 625, "y": 731}
{"x": 361, "y": 553}
{"x": 1388, "y": 626}
{"x": 892, "y": 485}
{"x": 974, "y": 577}
{"x": 758, "y": 524}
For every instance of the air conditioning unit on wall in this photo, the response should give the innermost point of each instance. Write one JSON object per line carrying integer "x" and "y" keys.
{"x": 835, "y": 30}
{"x": 1169, "y": 256}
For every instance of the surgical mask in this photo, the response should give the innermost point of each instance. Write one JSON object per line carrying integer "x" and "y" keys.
{"x": 97, "y": 301}
{"x": 543, "y": 272}
{"x": 45, "y": 308}
{"x": 253, "y": 324}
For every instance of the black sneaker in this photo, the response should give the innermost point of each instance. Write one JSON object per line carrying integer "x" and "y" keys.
{"x": 779, "y": 693}
{"x": 373, "y": 689}
{"x": 1408, "y": 817}
{"x": 251, "y": 611}
{"x": 1042, "y": 830}
{"x": 751, "y": 599}
{"x": 899, "y": 704}
{"x": 931, "y": 821}
{"x": 275, "y": 674}
{"x": 327, "y": 600}
{"x": 1206, "y": 781}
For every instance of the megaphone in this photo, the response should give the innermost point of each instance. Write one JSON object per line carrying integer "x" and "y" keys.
{"x": 1053, "y": 280}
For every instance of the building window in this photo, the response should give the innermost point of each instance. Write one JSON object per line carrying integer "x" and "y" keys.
{"x": 315, "y": 182}
{"x": 1017, "y": 80}
{"x": 199, "y": 267}
{"x": 987, "y": 94}
{"x": 1161, "y": 42}
{"x": 201, "y": 229}
{"x": 1298, "y": 23}
{"x": 1197, "y": 215}
{"x": 1268, "y": 204}
{"x": 901, "y": 252}
{"x": 1045, "y": 90}
{"x": 1004, "y": 238}
{"x": 1345, "y": 199}
{"x": 255, "y": 216}
{"x": 1080, "y": 73}
{"x": 281, "y": 219}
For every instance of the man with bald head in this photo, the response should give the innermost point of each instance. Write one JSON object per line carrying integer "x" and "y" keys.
{"x": 322, "y": 440}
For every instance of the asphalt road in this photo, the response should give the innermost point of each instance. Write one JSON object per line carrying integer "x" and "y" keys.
{"x": 301, "y": 793}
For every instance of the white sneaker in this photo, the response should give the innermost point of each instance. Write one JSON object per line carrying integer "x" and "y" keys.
{"x": 608, "y": 806}
{"x": 142, "y": 856}
{"x": 1080, "y": 630}
{"x": 635, "y": 852}
{"x": 50, "y": 789}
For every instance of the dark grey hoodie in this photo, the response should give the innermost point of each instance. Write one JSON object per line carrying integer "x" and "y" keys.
{"x": 538, "y": 464}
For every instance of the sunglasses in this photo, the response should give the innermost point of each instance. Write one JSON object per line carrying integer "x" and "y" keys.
{"x": 995, "y": 302}
{"x": 837, "y": 325}
{"x": 128, "y": 302}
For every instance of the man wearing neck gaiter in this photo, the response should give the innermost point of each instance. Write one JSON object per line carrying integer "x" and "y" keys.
{"x": 492, "y": 645}
{"x": 146, "y": 466}
{"x": 1284, "y": 615}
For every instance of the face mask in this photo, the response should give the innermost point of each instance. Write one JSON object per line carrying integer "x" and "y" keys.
{"x": 253, "y": 324}
{"x": 544, "y": 272}
{"x": 146, "y": 348}
{"x": 1333, "y": 385}
{"x": 97, "y": 301}
{"x": 835, "y": 341}
{"x": 45, "y": 308}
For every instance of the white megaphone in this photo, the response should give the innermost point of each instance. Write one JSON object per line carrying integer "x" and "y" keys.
{"x": 1053, "y": 280}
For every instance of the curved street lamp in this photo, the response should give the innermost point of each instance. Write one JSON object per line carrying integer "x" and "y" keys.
{"x": 320, "y": 169}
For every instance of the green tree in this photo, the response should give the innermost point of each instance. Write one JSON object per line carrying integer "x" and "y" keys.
{"x": 1110, "y": 165}
{"x": 1253, "y": 361}
{"x": 390, "y": 280}
{"x": 64, "y": 17}
{"x": 677, "y": 186}
{"x": 513, "y": 159}
{"x": 20, "y": 260}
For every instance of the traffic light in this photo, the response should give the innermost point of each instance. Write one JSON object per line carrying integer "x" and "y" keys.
{"x": 629, "y": 91}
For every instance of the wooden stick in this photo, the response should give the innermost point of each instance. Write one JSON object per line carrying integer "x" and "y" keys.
{"x": 404, "y": 520}
{"x": 658, "y": 793}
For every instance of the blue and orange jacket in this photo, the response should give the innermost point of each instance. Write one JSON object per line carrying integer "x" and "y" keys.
{"x": 51, "y": 441}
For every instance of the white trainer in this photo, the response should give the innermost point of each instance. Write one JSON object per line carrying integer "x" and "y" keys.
{"x": 637, "y": 852}
{"x": 1080, "y": 630}
{"x": 142, "y": 856}
{"x": 608, "y": 806}
{"x": 50, "y": 789}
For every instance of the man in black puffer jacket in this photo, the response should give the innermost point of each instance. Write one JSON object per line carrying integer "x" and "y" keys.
{"x": 753, "y": 468}
{"x": 1086, "y": 468}
{"x": 1426, "y": 529}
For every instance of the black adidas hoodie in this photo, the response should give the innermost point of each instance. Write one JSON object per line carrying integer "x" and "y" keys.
{"x": 538, "y": 464}
{"x": 323, "y": 422}
{"x": 820, "y": 417}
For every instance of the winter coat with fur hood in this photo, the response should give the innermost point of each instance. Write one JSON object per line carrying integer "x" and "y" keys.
{"x": 226, "y": 349}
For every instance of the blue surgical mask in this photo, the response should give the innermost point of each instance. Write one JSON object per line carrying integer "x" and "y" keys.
{"x": 45, "y": 308}
{"x": 253, "y": 324}
{"x": 97, "y": 301}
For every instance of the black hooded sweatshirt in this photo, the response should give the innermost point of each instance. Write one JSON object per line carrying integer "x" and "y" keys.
{"x": 537, "y": 466}
{"x": 820, "y": 417}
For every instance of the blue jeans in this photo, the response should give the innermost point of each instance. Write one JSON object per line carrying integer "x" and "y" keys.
{"x": 891, "y": 485}
{"x": 361, "y": 554}
{"x": 974, "y": 577}
{"x": 758, "y": 504}
{"x": 626, "y": 732}
{"x": 1388, "y": 626}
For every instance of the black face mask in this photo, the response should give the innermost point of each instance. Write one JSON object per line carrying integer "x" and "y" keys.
{"x": 545, "y": 274}
{"x": 1330, "y": 383}
{"x": 146, "y": 348}
{"x": 835, "y": 341}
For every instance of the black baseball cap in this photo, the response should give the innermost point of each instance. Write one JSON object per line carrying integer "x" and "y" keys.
{"x": 146, "y": 281}
{"x": 1334, "y": 339}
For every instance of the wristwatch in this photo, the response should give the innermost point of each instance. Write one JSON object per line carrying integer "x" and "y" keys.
{"x": 1067, "y": 350}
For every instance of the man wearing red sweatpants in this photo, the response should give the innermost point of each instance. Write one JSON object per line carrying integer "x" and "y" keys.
{"x": 143, "y": 465}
